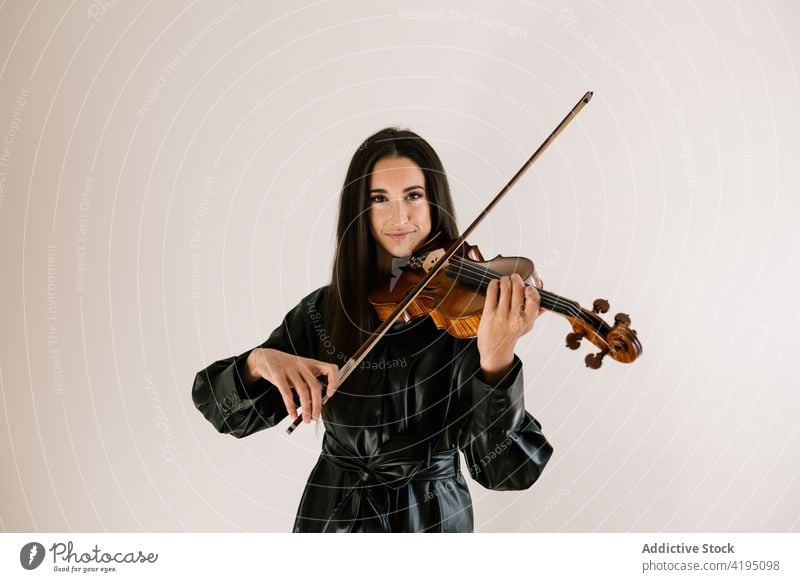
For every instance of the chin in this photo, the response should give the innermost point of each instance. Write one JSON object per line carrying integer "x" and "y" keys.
{"x": 399, "y": 250}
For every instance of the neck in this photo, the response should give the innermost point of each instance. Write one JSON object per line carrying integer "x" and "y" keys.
{"x": 384, "y": 263}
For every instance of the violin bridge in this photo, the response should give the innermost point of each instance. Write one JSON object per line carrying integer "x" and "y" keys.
{"x": 431, "y": 258}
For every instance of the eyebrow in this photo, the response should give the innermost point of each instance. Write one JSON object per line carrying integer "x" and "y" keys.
{"x": 383, "y": 191}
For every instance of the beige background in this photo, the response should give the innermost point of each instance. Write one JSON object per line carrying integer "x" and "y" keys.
{"x": 169, "y": 174}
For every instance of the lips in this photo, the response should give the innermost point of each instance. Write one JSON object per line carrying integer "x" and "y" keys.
{"x": 399, "y": 235}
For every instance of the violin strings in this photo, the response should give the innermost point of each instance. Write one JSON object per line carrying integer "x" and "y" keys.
{"x": 481, "y": 276}
{"x": 477, "y": 276}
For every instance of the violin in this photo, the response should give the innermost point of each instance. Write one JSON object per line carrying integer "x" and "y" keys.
{"x": 455, "y": 296}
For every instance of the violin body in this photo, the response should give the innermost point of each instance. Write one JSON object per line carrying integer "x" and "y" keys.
{"x": 455, "y": 296}
{"x": 453, "y": 306}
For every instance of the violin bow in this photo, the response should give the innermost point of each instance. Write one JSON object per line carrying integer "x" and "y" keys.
{"x": 376, "y": 335}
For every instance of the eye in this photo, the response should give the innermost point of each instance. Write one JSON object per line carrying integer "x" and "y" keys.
{"x": 377, "y": 198}
{"x": 416, "y": 195}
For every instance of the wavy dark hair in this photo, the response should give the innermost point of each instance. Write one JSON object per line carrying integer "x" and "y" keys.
{"x": 350, "y": 317}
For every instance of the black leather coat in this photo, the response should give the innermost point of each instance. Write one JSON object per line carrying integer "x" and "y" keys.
{"x": 399, "y": 469}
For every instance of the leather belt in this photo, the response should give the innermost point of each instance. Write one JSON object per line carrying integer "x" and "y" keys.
{"x": 396, "y": 462}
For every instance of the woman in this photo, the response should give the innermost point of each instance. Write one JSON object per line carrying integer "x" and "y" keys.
{"x": 389, "y": 459}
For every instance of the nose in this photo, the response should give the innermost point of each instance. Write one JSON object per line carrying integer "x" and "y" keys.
{"x": 399, "y": 212}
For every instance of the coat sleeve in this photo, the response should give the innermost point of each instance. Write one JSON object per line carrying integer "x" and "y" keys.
{"x": 504, "y": 446}
{"x": 234, "y": 408}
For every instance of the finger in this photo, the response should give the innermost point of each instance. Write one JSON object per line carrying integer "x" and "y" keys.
{"x": 315, "y": 389}
{"x": 537, "y": 280}
{"x": 282, "y": 384}
{"x": 517, "y": 294}
{"x": 532, "y": 302}
{"x": 332, "y": 373}
{"x": 490, "y": 303}
{"x": 303, "y": 392}
{"x": 504, "y": 301}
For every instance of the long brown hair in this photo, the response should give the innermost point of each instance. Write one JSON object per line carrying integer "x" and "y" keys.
{"x": 350, "y": 317}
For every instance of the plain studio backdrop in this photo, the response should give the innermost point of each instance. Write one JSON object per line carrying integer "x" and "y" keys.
{"x": 169, "y": 177}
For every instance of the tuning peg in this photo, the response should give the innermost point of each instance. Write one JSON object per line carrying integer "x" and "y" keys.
{"x": 594, "y": 361}
{"x": 574, "y": 340}
{"x": 623, "y": 318}
{"x": 600, "y": 305}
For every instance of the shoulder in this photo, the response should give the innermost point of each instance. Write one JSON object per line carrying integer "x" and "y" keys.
{"x": 315, "y": 300}
{"x": 312, "y": 307}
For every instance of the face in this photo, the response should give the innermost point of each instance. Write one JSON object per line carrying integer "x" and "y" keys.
{"x": 399, "y": 212}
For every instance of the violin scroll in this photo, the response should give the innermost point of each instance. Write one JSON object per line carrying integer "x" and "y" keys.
{"x": 619, "y": 341}
{"x": 622, "y": 340}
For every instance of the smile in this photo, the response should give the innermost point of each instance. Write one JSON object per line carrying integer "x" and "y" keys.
{"x": 400, "y": 236}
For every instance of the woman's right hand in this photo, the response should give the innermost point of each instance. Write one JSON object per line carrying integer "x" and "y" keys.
{"x": 289, "y": 372}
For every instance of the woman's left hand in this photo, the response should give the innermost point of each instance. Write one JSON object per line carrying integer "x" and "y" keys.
{"x": 509, "y": 312}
